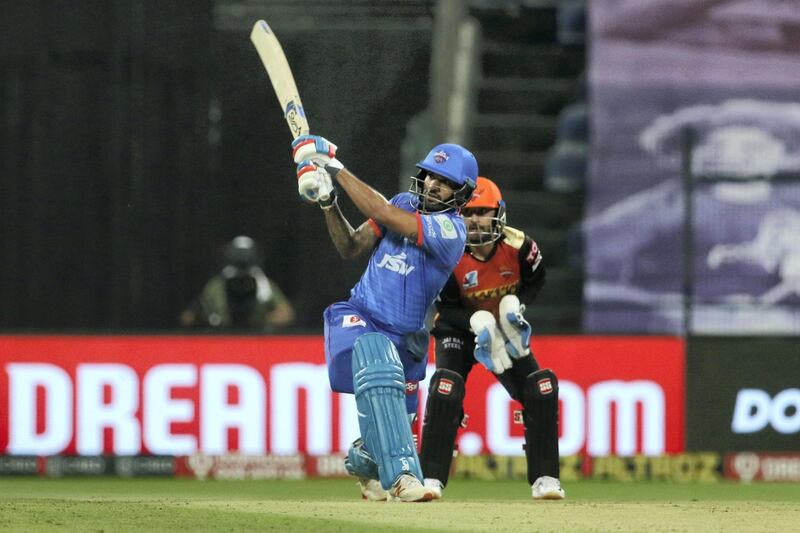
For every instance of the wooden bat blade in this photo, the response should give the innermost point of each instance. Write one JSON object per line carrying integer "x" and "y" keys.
{"x": 274, "y": 60}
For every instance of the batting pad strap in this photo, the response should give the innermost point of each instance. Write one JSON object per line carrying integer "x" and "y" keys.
{"x": 359, "y": 461}
{"x": 379, "y": 388}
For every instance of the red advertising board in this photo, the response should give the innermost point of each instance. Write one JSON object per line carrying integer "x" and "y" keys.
{"x": 618, "y": 395}
{"x": 177, "y": 395}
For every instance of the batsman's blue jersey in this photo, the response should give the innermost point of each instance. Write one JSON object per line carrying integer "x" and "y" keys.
{"x": 402, "y": 277}
{"x": 393, "y": 295}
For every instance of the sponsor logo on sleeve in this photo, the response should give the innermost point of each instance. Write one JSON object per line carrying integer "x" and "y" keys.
{"x": 470, "y": 279}
{"x": 430, "y": 230}
{"x": 534, "y": 257}
{"x": 446, "y": 227}
{"x": 533, "y": 254}
{"x": 545, "y": 386}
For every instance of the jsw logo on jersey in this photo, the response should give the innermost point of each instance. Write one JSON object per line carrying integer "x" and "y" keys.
{"x": 396, "y": 263}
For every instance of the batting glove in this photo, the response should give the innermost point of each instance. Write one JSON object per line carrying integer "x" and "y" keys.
{"x": 314, "y": 185}
{"x": 318, "y": 150}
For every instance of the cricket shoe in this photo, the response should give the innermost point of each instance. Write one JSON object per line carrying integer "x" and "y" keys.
{"x": 435, "y": 487}
{"x": 407, "y": 488}
{"x": 372, "y": 490}
{"x": 547, "y": 488}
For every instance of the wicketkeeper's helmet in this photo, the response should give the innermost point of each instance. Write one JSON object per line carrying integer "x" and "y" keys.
{"x": 487, "y": 196}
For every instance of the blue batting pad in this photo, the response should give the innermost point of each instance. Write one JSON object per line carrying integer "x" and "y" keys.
{"x": 344, "y": 323}
{"x": 379, "y": 387}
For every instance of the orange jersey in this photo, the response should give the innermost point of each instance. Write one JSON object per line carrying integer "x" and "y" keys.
{"x": 482, "y": 284}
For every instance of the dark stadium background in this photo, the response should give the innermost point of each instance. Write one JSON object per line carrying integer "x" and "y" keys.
{"x": 138, "y": 136}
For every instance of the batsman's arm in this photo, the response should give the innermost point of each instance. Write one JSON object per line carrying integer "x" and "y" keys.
{"x": 370, "y": 202}
{"x": 349, "y": 242}
{"x": 373, "y": 205}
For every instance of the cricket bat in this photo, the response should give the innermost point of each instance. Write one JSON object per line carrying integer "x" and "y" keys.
{"x": 271, "y": 53}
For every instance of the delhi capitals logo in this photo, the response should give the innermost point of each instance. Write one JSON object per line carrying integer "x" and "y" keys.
{"x": 441, "y": 156}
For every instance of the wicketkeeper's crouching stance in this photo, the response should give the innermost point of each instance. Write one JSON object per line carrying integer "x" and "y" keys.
{"x": 480, "y": 320}
{"x": 375, "y": 342}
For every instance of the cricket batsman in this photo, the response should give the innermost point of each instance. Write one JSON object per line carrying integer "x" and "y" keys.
{"x": 375, "y": 342}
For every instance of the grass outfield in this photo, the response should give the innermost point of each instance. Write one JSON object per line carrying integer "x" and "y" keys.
{"x": 112, "y": 504}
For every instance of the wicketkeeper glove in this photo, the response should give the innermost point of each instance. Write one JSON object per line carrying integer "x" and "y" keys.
{"x": 516, "y": 329}
{"x": 490, "y": 348}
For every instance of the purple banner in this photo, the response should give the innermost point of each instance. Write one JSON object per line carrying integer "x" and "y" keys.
{"x": 729, "y": 70}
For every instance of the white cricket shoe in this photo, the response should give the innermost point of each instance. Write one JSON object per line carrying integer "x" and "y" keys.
{"x": 547, "y": 488}
{"x": 372, "y": 490}
{"x": 435, "y": 486}
{"x": 407, "y": 488}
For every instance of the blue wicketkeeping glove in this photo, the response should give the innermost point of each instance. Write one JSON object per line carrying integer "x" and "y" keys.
{"x": 516, "y": 329}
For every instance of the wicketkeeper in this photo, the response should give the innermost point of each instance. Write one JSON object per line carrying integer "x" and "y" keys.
{"x": 480, "y": 320}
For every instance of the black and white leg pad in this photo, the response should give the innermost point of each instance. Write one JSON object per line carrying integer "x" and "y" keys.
{"x": 541, "y": 424}
{"x": 443, "y": 414}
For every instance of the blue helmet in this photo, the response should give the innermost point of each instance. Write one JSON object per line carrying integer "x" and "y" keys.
{"x": 453, "y": 162}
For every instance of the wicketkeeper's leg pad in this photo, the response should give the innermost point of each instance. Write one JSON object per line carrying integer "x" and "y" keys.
{"x": 379, "y": 385}
{"x": 541, "y": 424}
{"x": 443, "y": 414}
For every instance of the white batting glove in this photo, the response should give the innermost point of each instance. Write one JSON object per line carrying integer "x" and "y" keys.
{"x": 516, "y": 329}
{"x": 490, "y": 349}
{"x": 314, "y": 184}
{"x": 317, "y": 149}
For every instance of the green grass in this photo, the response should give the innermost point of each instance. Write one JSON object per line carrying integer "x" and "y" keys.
{"x": 110, "y": 504}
